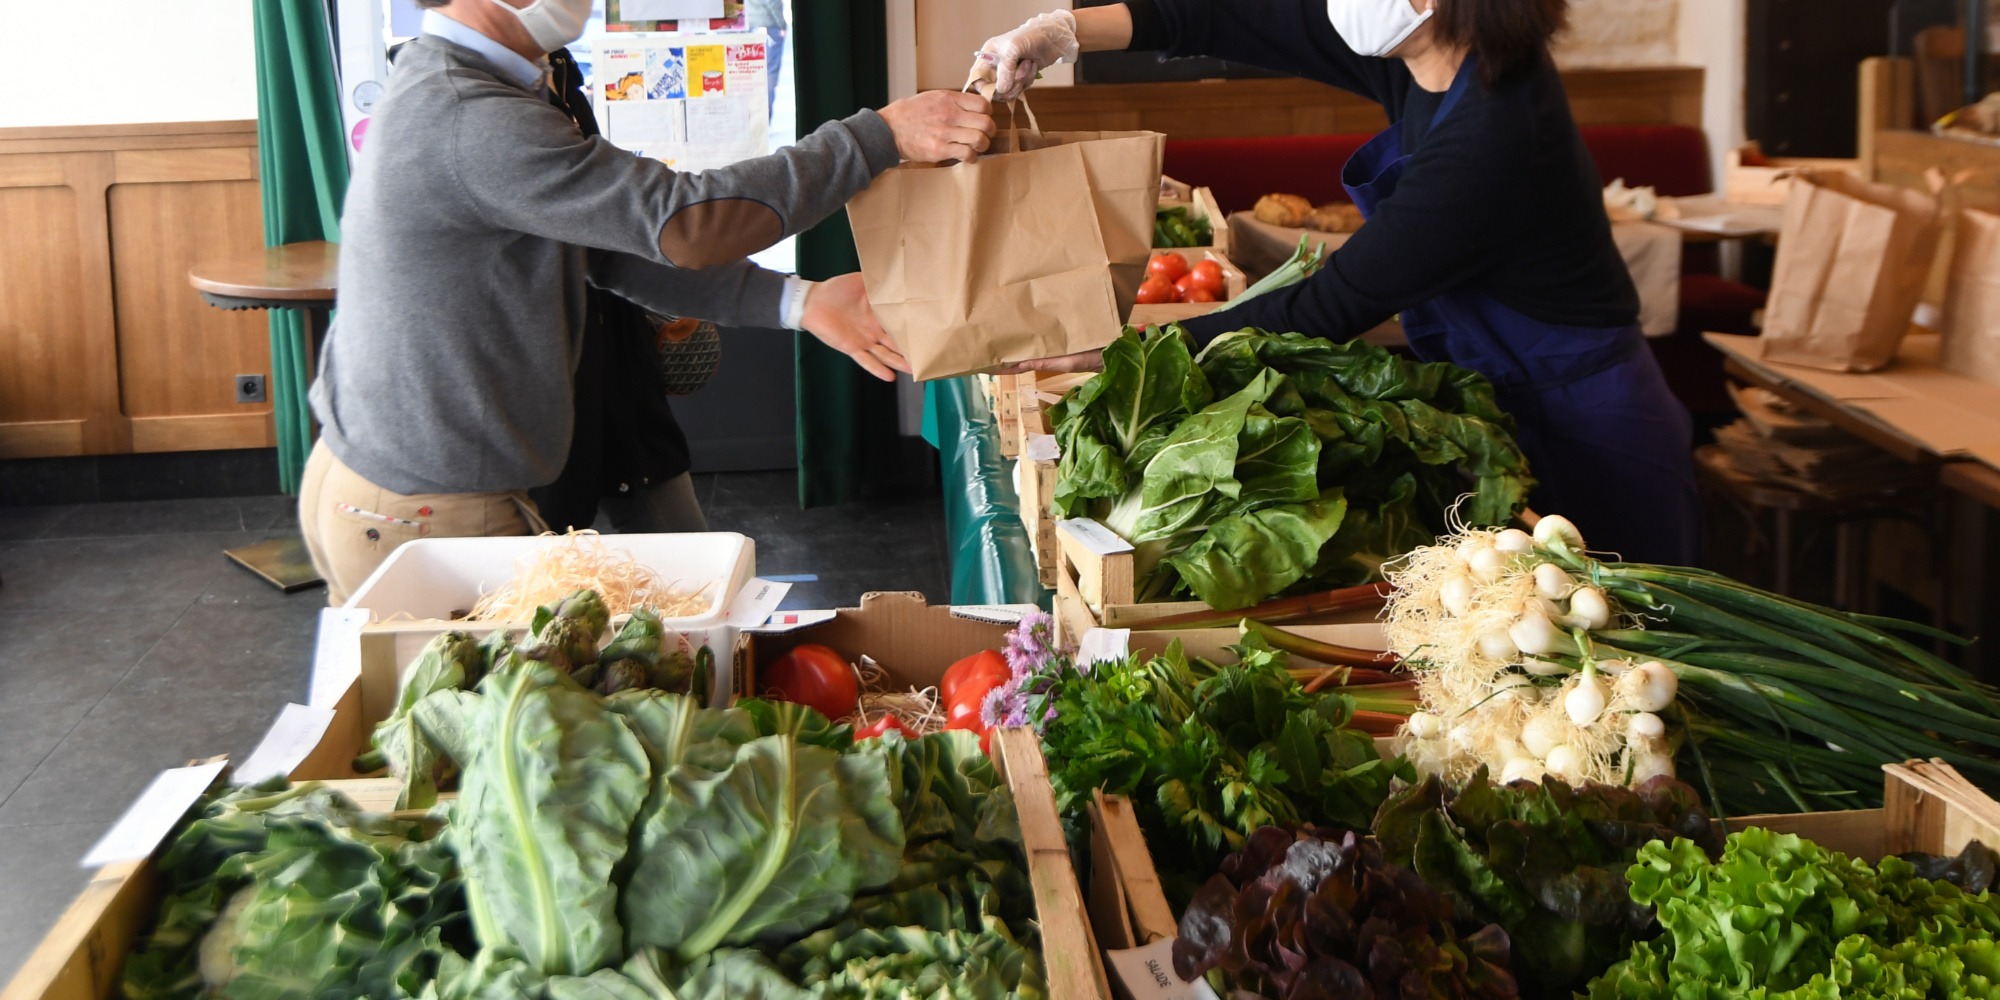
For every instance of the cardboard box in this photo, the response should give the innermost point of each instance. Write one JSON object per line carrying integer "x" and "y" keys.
{"x": 1769, "y": 182}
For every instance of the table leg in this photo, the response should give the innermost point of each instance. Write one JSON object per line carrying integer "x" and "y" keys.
{"x": 283, "y": 562}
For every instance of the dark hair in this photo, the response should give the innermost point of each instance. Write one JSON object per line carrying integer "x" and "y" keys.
{"x": 1506, "y": 36}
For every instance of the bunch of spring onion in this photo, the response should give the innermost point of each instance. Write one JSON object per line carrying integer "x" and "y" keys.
{"x": 1304, "y": 262}
{"x": 1535, "y": 658}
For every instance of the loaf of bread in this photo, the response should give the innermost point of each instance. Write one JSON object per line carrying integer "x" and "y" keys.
{"x": 1288, "y": 210}
{"x": 1335, "y": 217}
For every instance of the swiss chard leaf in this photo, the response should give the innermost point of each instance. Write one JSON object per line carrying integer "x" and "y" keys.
{"x": 1246, "y": 557}
{"x": 771, "y": 847}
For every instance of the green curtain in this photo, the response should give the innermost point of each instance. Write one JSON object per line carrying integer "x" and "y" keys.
{"x": 302, "y": 158}
{"x": 847, "y": 431}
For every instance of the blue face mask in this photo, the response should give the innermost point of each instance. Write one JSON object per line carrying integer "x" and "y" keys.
{"x": 552, "y": 23}
{"x": 1375, "y": 27}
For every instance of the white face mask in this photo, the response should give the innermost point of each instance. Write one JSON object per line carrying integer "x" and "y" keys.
{"x": 1375, "y": 27}
{"x": 552, "y": 23}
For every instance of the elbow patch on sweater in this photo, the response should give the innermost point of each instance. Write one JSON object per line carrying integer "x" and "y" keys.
{"x": 719, "y": 231}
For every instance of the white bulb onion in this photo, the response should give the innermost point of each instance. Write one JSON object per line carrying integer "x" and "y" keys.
{"x": 1555, "y": 528}
{"x": 1615, "y": 668}
{"x": 1565, "y": 762}
{"x": 1644, "y": 727}
{"x": 1425, "y": 726}
{"x": 1590, "y": 605}
{"x": 1651, "y": 765}
{"x": 1520, "y": 769}
{"x": 1552, "y": 582}
{"x": 1510, "y": 685}
{"x": 1650, "y": 687}
{"x": 1472, "y": 546}
{"x": 1462, "y": 736}
{"x": 1455, "y": 593}
{"x": 1534, "y": 634}
{"x": 1543, "y": 734}
{"x": 1515, "y": 541}
{"x": 1496, "y": 645}
{"x": 1487, "y": 565}
{"x": 1544, "y": 668}
{"x": 1586, "y": 701}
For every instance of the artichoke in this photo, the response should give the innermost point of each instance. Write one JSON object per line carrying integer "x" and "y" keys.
{"x": 624, "y": 675}
{"x": 493, "y": 653}
{"x": 583, "y": 606}
{"x": 641, "y": 639}
{"x": 565, "y": 644}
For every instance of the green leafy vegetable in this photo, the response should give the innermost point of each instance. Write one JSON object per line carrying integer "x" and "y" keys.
{"x": 1780, "y": 918}
{"x": 1546, "y": 862}
{"x": 450, "y": 662}
{"x": 1278, "y": 462}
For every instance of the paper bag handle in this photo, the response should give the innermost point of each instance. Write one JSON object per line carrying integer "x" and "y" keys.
{"x": 983, "y": 85}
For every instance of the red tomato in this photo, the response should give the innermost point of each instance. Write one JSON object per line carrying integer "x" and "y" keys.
{"x": 816, "y": 677}
{"x": 976, "y": 673}
{"x": 963, "y": 710}
{"x": 1209, "y": 267}
{"x": 1167, "y": 265}
{"x": 1211, "y": 280}
{"x": 1200, "y": 294}
{"x": 884, "y": 725}
{"x": 1186, "y": 287}
{"x": 1155, "y": 291}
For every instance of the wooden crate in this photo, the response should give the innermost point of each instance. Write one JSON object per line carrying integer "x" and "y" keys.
{"x": 83, "y": 957}
{"x": 1129, "y": 909}
{"x": 1201, "y": 204}
{"x": 1039, "y": 471}
{"x": 1234, "y": 282}
{"x": 1004, "y": 400}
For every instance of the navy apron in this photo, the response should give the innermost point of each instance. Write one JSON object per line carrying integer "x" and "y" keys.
{"x": 1607, "y": 440}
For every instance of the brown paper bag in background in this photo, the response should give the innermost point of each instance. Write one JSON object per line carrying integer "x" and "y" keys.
{"x": 1972, "y": 299}
{"x": 1035, "y": 250}
{"x": 1853, "y": 258}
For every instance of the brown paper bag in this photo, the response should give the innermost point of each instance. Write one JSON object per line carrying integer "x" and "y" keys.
{"x": 1972, "y": 299}
{"x": 1853, "y": 257}
{"x": 1035, "y": 250}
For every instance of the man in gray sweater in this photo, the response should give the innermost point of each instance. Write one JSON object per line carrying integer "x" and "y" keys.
{"x": 445, "y": 390}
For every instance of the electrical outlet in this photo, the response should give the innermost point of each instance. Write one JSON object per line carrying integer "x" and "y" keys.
{"x": 249, "y": 388}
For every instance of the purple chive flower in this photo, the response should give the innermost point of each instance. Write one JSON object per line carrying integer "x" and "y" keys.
{"x": 1004, "y": 706}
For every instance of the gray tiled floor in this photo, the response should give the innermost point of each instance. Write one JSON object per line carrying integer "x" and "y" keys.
{"x": 131, "y": 645}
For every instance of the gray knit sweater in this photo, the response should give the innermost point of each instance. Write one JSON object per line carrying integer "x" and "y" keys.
{"x": 463, "y": 268}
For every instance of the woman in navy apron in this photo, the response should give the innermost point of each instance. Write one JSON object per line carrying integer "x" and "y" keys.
{"x": 1486, "y": 231}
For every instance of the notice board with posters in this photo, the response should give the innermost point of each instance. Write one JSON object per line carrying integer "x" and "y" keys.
{"x": 691, "y": 94}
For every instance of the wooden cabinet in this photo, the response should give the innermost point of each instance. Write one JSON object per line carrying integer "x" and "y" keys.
{"x": 104, "y": 349}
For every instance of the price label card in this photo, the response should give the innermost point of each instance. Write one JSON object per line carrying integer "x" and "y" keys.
{"x": 1148, "y": 973}
{"x": 148, "y": 820}
{"x": 1042, "y": 448}
{"x": 1103, "y": 645}
{"x": 290, "y": 741}
{"x": 755, "y": 603}
{"x": 1094, "y": 536}
{"x": 337, "y": 656}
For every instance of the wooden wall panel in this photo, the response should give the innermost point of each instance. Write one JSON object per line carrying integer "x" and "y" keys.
{"x": 1217, "y": 109}
{"x": 104, "y": 348}
{"x": 40, "y": 319}
{"x": 177, "y": 355}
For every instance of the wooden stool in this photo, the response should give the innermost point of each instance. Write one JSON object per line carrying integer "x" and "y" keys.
{"x": 1852, "y": 518}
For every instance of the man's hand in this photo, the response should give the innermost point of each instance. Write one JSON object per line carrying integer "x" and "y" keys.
{"x": 938, "y": 125}
{"x": 1044, "y": 41}
{"x": 838, "y": 314}
{"x": 1082, "y": 361}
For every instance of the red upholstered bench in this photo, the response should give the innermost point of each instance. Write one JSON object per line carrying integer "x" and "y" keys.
{"x": 1670, "y": 158}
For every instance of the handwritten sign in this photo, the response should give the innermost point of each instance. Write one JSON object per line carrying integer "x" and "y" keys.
{"x": 149, "y": 819}
{"x": 1148, "y": 973}
{"x": 290, "y": 741}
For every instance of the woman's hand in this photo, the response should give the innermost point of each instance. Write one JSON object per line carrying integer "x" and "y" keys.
{"x": 1044, "y": 41}
{"x": 1082, "y": 361}
{"x": 838, "y": 313}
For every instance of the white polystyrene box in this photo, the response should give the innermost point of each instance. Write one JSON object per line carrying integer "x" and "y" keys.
{"x": 439, "y": 577}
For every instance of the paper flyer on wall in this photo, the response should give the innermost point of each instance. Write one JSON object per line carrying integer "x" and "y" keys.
{"x": 692, "y": 102}
{"x": 617, "y": 19}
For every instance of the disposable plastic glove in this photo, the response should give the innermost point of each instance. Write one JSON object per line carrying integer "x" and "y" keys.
{"x": 1015, "y": 57}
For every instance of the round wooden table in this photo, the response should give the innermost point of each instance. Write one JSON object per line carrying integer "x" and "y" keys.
{"x": 297, "y": 276}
